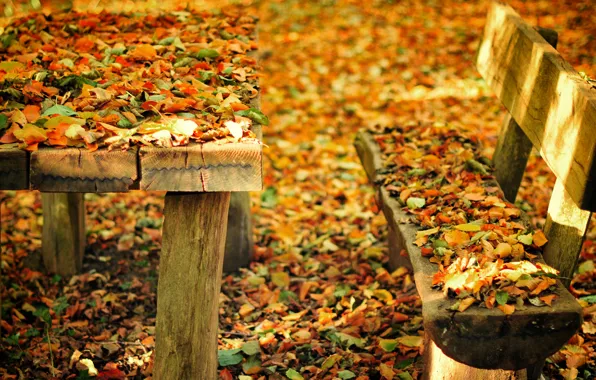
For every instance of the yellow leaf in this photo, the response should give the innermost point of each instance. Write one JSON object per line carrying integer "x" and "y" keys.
{"x": 386, "y": 371}
{"x": 410, "y": 340}
{"x": 468, "y": 227}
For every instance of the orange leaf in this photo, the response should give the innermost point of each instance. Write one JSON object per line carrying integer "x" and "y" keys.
{"x": 539, "y": 238}
{"x": 32, "y": 112}
{"x": 507, "y": 309}
{"x": 84, "y": 45}
{"x": 548, "y": 299}
{"x": 239, "y": 106}
{"x": 144, "y": 52}
{"x": 456, "y": 237}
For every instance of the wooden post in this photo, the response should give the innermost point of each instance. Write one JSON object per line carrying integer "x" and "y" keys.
{"x": 514, "y": 147}
{"x": 190, "y": 271}
{"x": 63, "y": 234}
{"x": 566, "y": 226}
{"x": 438, "y": 366}
{"x": 239, "y": 242}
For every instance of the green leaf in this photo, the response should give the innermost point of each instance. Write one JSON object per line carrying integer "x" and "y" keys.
{"x": 293, "y": 375}
{"x": 287, "y": 295}
{"x": 413, "y": 203}
{"x": 84, "y": 375}
{"x": 388, "y": 345}
{"x": 403, "y": 364}
{"x": 254, "y": 115}
{"x": 416, "y": 172}
{"x": 346, "y": 374}
{"x": 43, "y": 313}
{"x": 410, "y": 340}
{"x": 3, "y": 122}
{"x": 525, "y": 239}
{"x": 13, "y": 340}
{"x": 350, "y": 340}
{"x": 229, "y": 357}
{"x": 330, "y": 361}
{"x": 404, "y": 376}
{"x": 589, "y": 299}
{"x": 59, "y": 110}
{"x": 60, "y": 305}
{"x": 9, "y": 66}
{"x": 502, "y": 297}
{"x": 206, "y": 53}
{"x": 251, "y": 348}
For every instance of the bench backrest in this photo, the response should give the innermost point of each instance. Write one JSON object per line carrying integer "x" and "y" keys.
{"x": 551, "y": 108}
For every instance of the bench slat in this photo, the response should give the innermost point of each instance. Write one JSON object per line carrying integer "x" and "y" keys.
{"x": 554, "y": 106}
{"x": 479, "y": 337}
{"x": 82, "y": 171}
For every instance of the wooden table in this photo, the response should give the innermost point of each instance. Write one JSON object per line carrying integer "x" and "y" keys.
{"x": 199, "y": 179}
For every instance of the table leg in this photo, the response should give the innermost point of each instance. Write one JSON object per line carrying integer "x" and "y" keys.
{"x": 63, "y": 233}
{"x": 194, "y": 236}
{"x": 239, "y": 245}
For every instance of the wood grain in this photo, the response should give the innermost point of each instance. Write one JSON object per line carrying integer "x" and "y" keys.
{"x": 233, "y": 167}
{"x": 14, "y": 169}
{"x": 481, "y": 338}
{"x": 63, "y": 233}
{"x": 79, "y": 170}
{"x": 174, "y": 169}
{"x": 566, "y": 226}
{"x": 554, "y": 106}
{"x": 190, "y": 271}
{"x": 514, "y": 147}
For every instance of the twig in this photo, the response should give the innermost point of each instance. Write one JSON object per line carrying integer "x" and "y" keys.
{"x": 50, "y": 349}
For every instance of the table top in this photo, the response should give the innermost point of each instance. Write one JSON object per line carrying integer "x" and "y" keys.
{"x": 113, "y": 102}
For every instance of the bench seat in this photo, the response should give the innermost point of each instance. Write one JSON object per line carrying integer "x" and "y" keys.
{"x": 479, "y": 337}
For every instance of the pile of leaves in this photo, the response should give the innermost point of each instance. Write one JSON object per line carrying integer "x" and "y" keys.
{"x": 115, "y": 80}
{"x": 484, "y": 252}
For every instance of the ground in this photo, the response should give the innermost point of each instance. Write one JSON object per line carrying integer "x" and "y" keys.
{"x": 319, "y": 296}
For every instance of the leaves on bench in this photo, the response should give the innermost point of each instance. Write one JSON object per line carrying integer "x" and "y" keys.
{"x": 485, "y": 253}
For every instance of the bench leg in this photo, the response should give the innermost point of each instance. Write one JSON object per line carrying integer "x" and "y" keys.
{"x": 190, "y": 269}
{"x": 438, "y": 366}
{"x": 240, "y": 244}
{"x": 63, "y": 233}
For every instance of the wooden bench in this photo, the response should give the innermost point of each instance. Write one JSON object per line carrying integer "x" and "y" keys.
{"x": 550, "y": 103}
{"x": 199, "y": 179}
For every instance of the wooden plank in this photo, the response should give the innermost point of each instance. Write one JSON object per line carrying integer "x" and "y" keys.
{"x": 566, "y": 226}
{"x": 202, "y": 167}
{"x": 14, "y": 169}
{"x": 514, "y": 147}
{"x": 190, "y": 271}
{"x": 233, "y": 167}
{"x": 63, "y": 233}
{"x": 79, "y": 170}
{"x": 553, "y": 105}
{"x": 481, "y": 338}
{"x": 174, "y": 169}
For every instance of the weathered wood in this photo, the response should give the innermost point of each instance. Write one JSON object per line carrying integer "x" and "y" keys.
{"x": 202, "y": 167}
{"x": 63, "y": 233}
{"x": 566, "y": 226}
{"x": 233, "y": 167}
{"x": 482, "y": 338}
{"x": 79, "y": 170}
{"x": 514, "y": 147}
{"x": 174, "y": 169}
{"x": 239, "y": 241}
{"x": 14, "y": 169}
{"x": 511, "y": 157}
{"x": 396, "y": 259}
{"x": 547, "y": 98}
{"x": 438, "y": 366}
{"x": 190, "y": 271}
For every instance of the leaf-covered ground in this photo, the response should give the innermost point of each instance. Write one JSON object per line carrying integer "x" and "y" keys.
{"x": 318, "y": 298}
